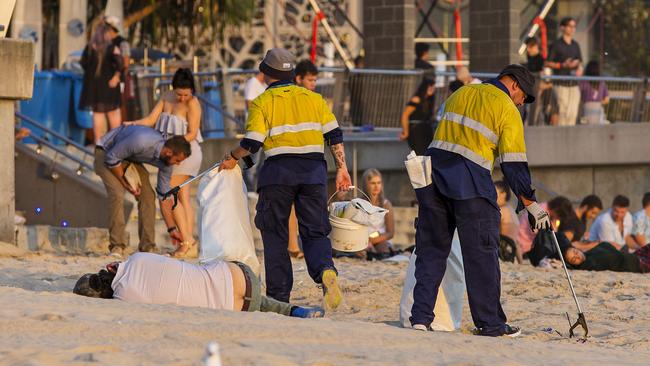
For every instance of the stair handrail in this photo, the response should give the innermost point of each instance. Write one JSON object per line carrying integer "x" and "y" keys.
{"x": 61, "y": 151}
{"x": 38, "y": 125}
{"x": 219, "y": 109}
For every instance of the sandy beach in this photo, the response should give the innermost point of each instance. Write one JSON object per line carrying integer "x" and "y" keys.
{"x": 43, "y": 323}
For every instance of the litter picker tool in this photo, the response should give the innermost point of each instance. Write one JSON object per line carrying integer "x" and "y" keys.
{"x": 581, "y": 321}
{"x": 174, "y": 191}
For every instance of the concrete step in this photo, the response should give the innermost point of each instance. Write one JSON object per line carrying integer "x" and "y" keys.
{"x": 60, "y": 240}
{"x": 79, "y": 241}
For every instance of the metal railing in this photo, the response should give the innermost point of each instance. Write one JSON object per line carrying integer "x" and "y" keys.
{"x": 362, "y": 97}
{"x": 151, "y": 85}
{"x": 44, "y": 141}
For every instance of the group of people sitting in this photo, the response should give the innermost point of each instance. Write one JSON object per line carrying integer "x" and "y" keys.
{"x": 589, "y": 238}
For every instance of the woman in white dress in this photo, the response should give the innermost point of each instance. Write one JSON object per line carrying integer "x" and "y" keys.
{"x": 178, "y": 112}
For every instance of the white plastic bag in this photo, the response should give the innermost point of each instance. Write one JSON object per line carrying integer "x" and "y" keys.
{"x": 224, "y": 221}
{"x": 418, "y": 169}
{"x": 449, "y": 303}
{"x": 359, "y": 211}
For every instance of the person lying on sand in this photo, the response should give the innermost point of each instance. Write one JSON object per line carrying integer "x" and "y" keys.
{"x": 605, "y": 257}
{"x": 149, "y": 278}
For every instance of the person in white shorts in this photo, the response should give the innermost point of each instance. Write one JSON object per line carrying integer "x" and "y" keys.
{"x": 149, "y": 278}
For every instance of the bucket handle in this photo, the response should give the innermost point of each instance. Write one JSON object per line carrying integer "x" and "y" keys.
{"x": 351, "y": 188}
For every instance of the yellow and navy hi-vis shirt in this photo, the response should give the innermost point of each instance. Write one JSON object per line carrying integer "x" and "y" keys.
{"x": 292, "y": 124}
{"x": 480, "y": 125}
{"x": 289, "y": 119}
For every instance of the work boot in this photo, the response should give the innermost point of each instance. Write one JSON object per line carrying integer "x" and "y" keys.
{"x": 332, "y": 295}
{"x": 508, "y": 331}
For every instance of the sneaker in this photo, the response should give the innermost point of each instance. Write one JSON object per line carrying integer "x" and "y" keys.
{"x": 422, "y": 328}
{"x": 508, "y": 331}
{"x": 117, "y": 252}
{"x": 303, "y": 312}
{"x": 332, "y": 295}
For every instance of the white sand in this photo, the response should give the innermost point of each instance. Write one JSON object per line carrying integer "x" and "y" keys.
{"x": 43, "y": 323}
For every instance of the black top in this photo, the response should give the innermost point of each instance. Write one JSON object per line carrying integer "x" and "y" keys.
{"x": 575, "y": 226}
{"x": 605, "y": 257}
{"x": 535, "y": 63}
{"x": 561, "y": 51}
{"x": 423, "y": 110}
{"x": 96, "y": 94}
{"x": 421, "y": 64}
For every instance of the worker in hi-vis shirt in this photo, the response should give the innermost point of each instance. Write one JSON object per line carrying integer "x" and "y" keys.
{"x": 480, "y": 125}
{"x": 293, "y": 125}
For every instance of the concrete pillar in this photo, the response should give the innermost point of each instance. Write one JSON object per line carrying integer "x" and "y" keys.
{"x": 17, "y": 75}
{"x": 389, "y": 29}
{"x": 495, "y": 27}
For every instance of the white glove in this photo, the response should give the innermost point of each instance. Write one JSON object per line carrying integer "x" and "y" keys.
{"x": 538, "y": 218}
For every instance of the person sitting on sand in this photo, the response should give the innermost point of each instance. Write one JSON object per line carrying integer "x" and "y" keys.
{"x": 509, "y": 227}
{"x": 149, "y": 278}
{"x": 379, "y": 240}
{"x": 615, "y": 225}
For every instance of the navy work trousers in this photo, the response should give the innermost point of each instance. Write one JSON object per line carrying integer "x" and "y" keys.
{"x": 273, "y": 209}
{"x": 477, "y": 221}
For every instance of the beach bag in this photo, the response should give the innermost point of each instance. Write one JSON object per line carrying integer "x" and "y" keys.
{"x": 225, "y": 231}
{"x": 449, "y": 303}
{"x": 544, "y": 246}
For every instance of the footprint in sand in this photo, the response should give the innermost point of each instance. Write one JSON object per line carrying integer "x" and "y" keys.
{"x": 50, "y": 317}
{"x": 625, "y": 297}
{"x": 85, "y": 357}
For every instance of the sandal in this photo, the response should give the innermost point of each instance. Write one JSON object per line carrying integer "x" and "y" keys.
{"x": 183, "y": 250}
{"x": 297, "y": 254}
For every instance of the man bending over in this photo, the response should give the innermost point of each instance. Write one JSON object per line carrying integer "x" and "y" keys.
{"x": 149, "y": 278}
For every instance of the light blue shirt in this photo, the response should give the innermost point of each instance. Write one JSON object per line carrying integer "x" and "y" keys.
{"x": 641, "y": 224}
{"x": 605, "y": 229}
{"x": 137, "y": 144}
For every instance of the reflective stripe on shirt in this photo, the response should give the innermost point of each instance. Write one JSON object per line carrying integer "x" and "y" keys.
{"x": 473, "y": 124}
{"x": 294, "y": 150}
{"x": 260, "y": 137}
{"x": 462, "y": 151}
{"x": 513, "y": 157}
{"x": 330, "y": 126}
{"x": 299, "y": 127}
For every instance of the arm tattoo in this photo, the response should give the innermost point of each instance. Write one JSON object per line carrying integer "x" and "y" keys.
{"x": 338, "y": 152}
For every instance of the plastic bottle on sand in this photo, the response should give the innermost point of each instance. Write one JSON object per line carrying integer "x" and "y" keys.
{"x": 212, "y": 355}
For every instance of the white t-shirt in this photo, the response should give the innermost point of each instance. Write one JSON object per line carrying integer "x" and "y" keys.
{"x": 605, "y": 229}
{"x": 154, "y": 279}
{"x": 253, "y": 89}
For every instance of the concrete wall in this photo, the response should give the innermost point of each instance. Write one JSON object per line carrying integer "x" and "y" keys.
{"x": 17, "y": 71}
{"x": 389, "y": 28}
{"x": 16, "y": 82}
{"x": 76, "y": 199}
{"x": 571, "y": 161}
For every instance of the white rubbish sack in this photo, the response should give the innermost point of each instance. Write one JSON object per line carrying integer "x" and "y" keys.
{"x": 225, "y": 231}
{"x": 449, "y": 303}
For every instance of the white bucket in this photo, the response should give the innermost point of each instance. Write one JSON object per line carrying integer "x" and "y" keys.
{"x": 348, "y": 236}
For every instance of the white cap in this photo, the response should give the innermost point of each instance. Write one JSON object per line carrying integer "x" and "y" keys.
{"x": 114, "y": 22}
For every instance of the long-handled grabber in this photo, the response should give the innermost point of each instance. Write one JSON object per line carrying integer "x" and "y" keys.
{"x": 248, "y": 161}
{"x": 581, "y": 316}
